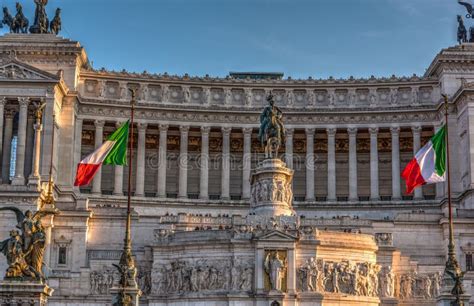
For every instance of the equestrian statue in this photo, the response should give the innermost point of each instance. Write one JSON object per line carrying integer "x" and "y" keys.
{"x": 272, "y": 132}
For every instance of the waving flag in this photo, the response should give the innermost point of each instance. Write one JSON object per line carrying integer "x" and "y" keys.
{"x": 429, "y": 164}
{"x": 112, "y": 152}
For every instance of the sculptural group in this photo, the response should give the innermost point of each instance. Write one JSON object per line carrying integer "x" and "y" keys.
{"x": 41, "y": 25}
{"x": 272, "y": 132}
{"x": 24, "y": 251}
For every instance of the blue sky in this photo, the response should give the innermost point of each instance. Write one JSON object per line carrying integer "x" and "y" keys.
{"x": 301, "y": 38}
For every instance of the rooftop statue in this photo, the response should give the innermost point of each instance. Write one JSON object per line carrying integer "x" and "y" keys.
{"x": 462, "y": 32}
{"x": 25, "y": 251}
{"x": 41, "y": 23}
{"x": 55, "y": 25}
{"x": 468, "y": 7}
{"x": 20, "y": 22}
{"x": 272, "y": 132}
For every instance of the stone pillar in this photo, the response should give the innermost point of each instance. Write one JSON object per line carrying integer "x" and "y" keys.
{"x": 162, "y": 161}
{"x": 19, "y": 178}
{"x": 291, "y": 285}
{"x": 259, "y": 278}
{"x": 7, "y": 146}
{"x": 289, "y": 147}
{"x": 183, "y": 162}
{"x": 416, "y": 147}
{"x": 99, "y": 137}
{"x": 204, "y": 169}
{"x": 141, "y": 148}
{"x": 374, "y": 164}
{"x": 77, "y": 146}
{"x": 353, "y": 195}
{"x": 2, "y": 107}
{"x": 118, "y": 172}
{"x": 331, "y": 164}
{"x": 34, "y": 178}
{"x": 225, "y": 177}
{"x": 246, "y": 163}
{"x": 310, "y": 164}
{"x": 396, "y": 194}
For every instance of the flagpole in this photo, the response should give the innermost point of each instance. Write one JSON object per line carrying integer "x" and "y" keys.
{"x": 126, "y": 265}
{"x": 452, "y": 266}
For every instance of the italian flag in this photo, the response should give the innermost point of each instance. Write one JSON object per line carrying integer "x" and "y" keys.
{"x": 429, "y": 164}
{"x": 112, "y": 152}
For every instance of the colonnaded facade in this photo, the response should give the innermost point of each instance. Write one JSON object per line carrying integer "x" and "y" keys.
{"x": 352, "y": 235}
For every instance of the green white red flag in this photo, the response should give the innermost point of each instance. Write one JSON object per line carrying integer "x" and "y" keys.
{"x": 111, "y": 152}
{"x": 429, "y": 164}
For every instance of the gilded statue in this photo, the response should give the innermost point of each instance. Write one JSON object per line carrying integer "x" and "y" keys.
{"x": 25, "y": 251}
{"x": 272, "y": 132}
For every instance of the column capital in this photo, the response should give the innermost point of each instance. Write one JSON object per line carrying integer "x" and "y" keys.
{"x": 352, "y": 131}
{"x": 99, "y": 123}
{"x": 331, "y": 131}
{"x": 226, "y": 130}
{"x": 310, "y": 131}
{"x": 373, "y": 130}
{"x": 247, "y": 131}
{"x": 23, "y": 101}
{"x": 3, "y": 101}
{"x": 289, "y": 132}
{"x": 416, "y": 129}
{"x": 184, "y": 128}
{"x": 395, "y": 130}
{"x": 205, "y": 130}
{"x": 163, "y": 127}
{"x": 142, "y": 127}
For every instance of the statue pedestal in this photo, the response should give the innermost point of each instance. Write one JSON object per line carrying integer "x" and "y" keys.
{"x": 16, "y": 293}
{"x": 132, "y": 292}
{"x": 447, "y": 299}
{"x": 271, "y": 191}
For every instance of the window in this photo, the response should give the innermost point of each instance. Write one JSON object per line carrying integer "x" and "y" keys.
{"x": 13, "y": 157}
{"x": 469, "y": 266}
{"x": 62, "y": 256}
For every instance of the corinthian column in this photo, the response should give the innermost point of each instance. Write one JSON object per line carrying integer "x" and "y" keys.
{"x": 396, "y": 194}
{"x": 183, "y": 162}
{"x": 118, "y": 173}
{"x": 99, "y": 139}
{"x": 225, "y": 178}
{"x": 310, "y": 164}
{"x": 289, "y": 147}
{"x": 246, "y": 163}
{"x": 331, "y": 164}
{"x": 2, "y": 107}
{"x": 353, "y": 195}
{"x": 374, "y": 164}
{"x": 162, "y": 162}
{"x": 204, "y": 170}
{"x": 19, "y": 178}
{"x": 416, "y": 147}
{"x": 7, "y": 146}
{"x": 141, "y": 147}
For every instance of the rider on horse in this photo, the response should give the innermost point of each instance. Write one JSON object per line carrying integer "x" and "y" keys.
{"x": 272, "y": 132}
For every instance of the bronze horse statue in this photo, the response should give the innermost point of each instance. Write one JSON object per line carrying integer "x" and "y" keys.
{"x": 271, "y": 133}
{"x": 462, "y": 32}
{"x": 7, "y": 18}
{"x": 20, "y": 22}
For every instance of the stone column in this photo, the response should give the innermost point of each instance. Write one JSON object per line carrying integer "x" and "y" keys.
{"x": 2, "y": 107}
{"x": 118, "y": 173}
{"x": 183, "y": 162}
{"x": 289, "y": 147}
{"x": 7, "y": 146}
{"x": 291, "y": 285}
{"x": 141, "y": 148}
{"x": 99, "y": 137}
{"x": 204, "y": 169}
{"x": 331, "y": 164}
{"x": 374, "y": 164}
{"x": 225, "y": 177}
{"x": 19, "y": 178}
{"x": 77, "y": 146}
{"x": 416, "y": 147}
{"x": 162, "y": 162}
{"x": 246, "y": 163}
{"x": 34, "y": 178}
{"x": 353, "y": 195}
{"x": 396, "y": 194}
{"x": 310, "y": 164}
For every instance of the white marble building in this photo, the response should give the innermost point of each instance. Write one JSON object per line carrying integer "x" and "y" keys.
{"x": 196, "y": 145}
